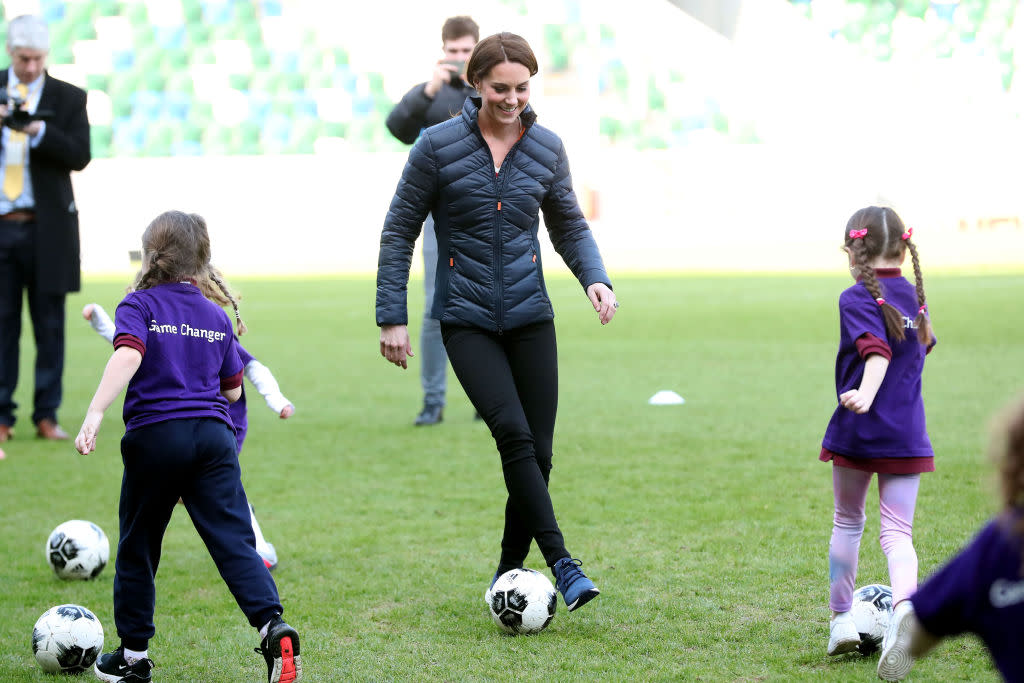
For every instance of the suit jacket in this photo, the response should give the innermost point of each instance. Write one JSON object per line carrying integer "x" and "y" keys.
{"x": 64, "y": 148}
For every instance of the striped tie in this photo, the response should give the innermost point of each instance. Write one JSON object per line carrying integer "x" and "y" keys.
{"x": 17, "y": 152}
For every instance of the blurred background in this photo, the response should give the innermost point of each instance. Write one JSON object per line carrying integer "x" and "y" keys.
{"x": 732, "y": 135}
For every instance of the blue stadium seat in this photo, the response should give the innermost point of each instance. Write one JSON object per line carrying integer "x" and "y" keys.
{"x": 129, "y": 136}
{"x": 186, "y": 148}
{"x": 305, "y": 105}
{"x": 169, "y": 37}
{"x": 271, "y": 8}
{"x": 216, "y": 11}
{"x": 51, "y": 10}
{"x": 147, "y": 104}
{"x": 177, "y": 105}
{"x": 123, "y": 60}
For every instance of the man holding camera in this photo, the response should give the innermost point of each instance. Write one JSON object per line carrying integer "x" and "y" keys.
{"x": 427, "y": 104}
{"x": 45, "y": 136}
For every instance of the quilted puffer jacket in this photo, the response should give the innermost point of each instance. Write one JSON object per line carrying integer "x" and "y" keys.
{"x": 489, "y": 263}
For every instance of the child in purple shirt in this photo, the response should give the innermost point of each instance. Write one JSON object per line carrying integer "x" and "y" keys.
{"x": 176, "y": 358}
{"x": 256, "y": 372}
{"x": 979, "y": 591}
{"x": 879, "y": 425}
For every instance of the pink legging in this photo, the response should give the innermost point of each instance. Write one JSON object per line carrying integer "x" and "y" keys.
{"x": 897, "y": 496}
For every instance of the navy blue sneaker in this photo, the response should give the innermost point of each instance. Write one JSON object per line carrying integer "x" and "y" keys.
{"x": 113, "y": 668}
{"x": 281, "y": 651}
{"x": 576, "y": 589}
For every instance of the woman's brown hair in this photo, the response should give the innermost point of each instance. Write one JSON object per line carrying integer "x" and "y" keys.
{"x": 493, "y": 50}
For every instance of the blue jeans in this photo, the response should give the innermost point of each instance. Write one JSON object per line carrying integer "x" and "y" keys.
{"x": 433, "y": 359}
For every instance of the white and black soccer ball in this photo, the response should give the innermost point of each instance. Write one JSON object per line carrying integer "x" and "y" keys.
{"x": 67, "y": 639}
{"x": 77, "y": 549}
{"x": 871, "y": 610}
{"x": 522, "y": 601}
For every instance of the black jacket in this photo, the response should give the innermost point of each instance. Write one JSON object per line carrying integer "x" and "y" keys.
{"x": 489, "y": 271}
{"x": 416, "y": 111}
{"x": 65, "y": 147}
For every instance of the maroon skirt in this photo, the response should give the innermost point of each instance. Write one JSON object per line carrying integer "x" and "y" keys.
{"x": 880, "y": 465}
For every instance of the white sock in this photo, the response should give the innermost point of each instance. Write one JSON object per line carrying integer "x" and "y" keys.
{"x": 260, "y": 541}
{"x": 131, "y": 656}
{"x": 264, "y": 629}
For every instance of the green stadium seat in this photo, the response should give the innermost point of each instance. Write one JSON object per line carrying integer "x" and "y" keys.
{"x": 102, "y": 140}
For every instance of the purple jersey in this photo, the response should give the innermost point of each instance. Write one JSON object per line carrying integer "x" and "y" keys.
{"x": 238, "y": 411}
{"x": 188, "y": 355}
{"x": 981, "y": 591}
{"x": 895, "y": 425}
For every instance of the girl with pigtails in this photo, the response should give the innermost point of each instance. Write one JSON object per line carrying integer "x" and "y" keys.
{"x": 879, "y": 425}
{"x": 176, "y": 358}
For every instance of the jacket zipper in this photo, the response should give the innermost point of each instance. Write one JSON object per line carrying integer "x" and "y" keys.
{"x": 499, "y": 186}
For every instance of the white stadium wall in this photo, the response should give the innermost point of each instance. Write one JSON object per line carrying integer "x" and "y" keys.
{"x": 732, "y": 208}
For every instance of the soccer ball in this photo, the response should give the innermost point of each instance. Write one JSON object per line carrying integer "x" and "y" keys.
{"x": 522, "y": 601}
{"x": 67, "y": 639}
{"x": 77, "y": 549}
{"x": 872, "y": 608}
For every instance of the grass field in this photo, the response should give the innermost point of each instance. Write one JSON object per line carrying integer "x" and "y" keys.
{"x": 705, "y": 525}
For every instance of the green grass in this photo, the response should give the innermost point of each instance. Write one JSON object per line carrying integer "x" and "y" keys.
{"x": 705, "y": 525}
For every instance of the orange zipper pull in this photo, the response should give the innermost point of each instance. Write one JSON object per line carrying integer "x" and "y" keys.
{"x": 499, "y": 206}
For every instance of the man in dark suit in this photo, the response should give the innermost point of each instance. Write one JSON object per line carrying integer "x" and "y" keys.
{"x": 45, "y": 136}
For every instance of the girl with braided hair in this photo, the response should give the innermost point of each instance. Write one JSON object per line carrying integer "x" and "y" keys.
{"x": 176, "y": 358}
{"x": 980, "y": 590}
{"x": 879, "y": 425}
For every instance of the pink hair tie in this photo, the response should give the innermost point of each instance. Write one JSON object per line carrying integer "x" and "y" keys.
{"x": 880, "y": 301}
{"x": 908, "y": 233}
{"x": 857, "y": 234}
{"x": 922, "y": 310}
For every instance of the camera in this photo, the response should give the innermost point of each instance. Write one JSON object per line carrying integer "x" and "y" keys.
{"x": 456, "y": 76}
{"x": 18, "y": 116}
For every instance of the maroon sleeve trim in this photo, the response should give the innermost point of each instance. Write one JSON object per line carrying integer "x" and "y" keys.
{"x": 868, "y": 343}
{"x": 131, "y": 341}
{"x": 232, "y": 382}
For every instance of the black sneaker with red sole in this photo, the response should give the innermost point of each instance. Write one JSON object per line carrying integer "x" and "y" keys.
{"x": 281, "y": 650}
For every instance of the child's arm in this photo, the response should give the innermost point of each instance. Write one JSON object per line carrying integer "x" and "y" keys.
{"x": 859, "y": 400}
{"x": 261, "y": 378}
{"x": 99, "y": 320}
{"x": 232, "y": 395}
{"x": 119, "y": 371}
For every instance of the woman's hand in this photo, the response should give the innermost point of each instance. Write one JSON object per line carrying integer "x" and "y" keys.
{"x": 603, "y": 300}
{"x": 394, "y": 344}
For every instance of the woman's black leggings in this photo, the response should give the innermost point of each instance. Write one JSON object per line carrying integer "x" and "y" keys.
{"x": 512, "y": 381}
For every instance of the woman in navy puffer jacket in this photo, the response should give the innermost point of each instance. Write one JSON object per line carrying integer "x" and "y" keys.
{"x": 486, "y": 176}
